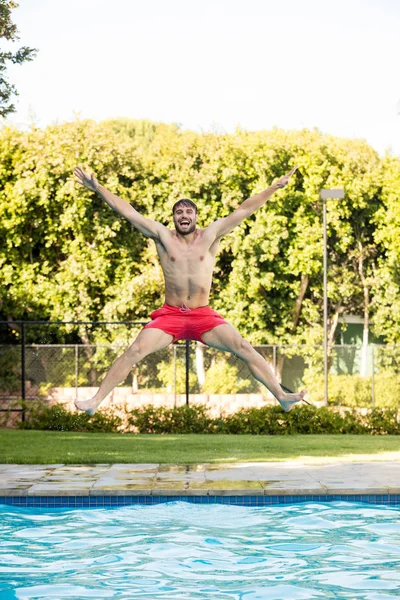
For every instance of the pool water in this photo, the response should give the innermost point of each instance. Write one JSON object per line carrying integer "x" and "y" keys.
{"x": 180, "y": 550}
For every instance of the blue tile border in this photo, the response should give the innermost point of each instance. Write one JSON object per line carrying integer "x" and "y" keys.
{"x": 110, "y": 501}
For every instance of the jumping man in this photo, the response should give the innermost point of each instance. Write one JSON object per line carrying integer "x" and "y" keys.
{"x": 187, "y": 256}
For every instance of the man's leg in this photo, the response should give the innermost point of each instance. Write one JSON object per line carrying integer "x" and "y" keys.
{"x": 225, "y": 337}
{"x": 148, "y": 341}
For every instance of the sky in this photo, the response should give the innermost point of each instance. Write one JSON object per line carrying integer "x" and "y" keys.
{"x": 214, "y": 65}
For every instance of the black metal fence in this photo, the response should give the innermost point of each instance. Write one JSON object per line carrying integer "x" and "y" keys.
{"x": 38, "y": 355}
{"x": 22, "y": 339}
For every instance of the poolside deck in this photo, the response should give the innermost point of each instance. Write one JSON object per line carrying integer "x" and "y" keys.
{"x": 233, "y": 479}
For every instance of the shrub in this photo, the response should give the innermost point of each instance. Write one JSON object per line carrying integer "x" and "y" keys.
{"x": 387, "y": 390}
{"x": 356, "y": 391}
{"x": 168, "y": 374}
{"x": 39, "y": 415}
{"x": 384, "y": 421}
{"x": 223, "y": 378}
{"x": 265, "y": 421}
{"x": 269, "y": 420}
{"x": 301, "y": 420}
{"x": 180, "y": 419}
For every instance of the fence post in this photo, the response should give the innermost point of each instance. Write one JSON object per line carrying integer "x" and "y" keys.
{"x": 187, "y": 371}
{"x": 274, "y": 357}
{"x": 23, "y": 375}
{"x": 373, "y": 376}
{"x": 174, "y": 346}
{"x": 76, "y": 372}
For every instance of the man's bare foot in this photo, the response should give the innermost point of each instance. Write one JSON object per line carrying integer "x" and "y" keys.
{"x": 289, "y": 400}
{"x": 89, "y": 406}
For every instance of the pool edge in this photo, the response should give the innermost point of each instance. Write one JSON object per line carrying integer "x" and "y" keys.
{"x": 106, "y": 501}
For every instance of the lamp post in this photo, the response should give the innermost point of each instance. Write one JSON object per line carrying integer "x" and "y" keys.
{"x": 327, "y": 195}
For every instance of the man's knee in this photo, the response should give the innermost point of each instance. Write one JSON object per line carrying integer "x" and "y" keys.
{"x": 244, "y": 349}
{"x": 136, "y": 352}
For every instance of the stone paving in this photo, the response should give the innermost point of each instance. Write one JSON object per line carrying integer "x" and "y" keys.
{"x": 279, "y": 478}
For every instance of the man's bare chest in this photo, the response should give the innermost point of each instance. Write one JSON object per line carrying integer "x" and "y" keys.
{"x": 186, "y": 259}
{"x": 193, "y": 257}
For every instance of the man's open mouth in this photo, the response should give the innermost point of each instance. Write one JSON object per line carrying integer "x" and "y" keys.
{"x": 185, "y": 223}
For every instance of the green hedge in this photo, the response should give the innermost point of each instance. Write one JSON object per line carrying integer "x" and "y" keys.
{"x": 40, "y": 415}
{"x": 195, "y": 419}
{"x": 182, "y": 419}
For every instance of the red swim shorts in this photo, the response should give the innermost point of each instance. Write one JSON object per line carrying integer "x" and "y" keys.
{"x": 185, "y": 323}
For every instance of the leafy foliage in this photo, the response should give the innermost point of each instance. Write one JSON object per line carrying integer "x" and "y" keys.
{"x": 265, "y": 421}
{"x": 8, "y": 31}
{"x": 223, "y": 378}
{"x": 180, "y": 419}
{"x": 356, "y": 391}
{"x": 171, "y": 375}
{"x": 58, "y": 418}
{"x": 195, "y": 419}
{"x": 67, "y": 256}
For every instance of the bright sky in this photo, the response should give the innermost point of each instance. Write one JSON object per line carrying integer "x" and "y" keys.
{"x": 215, "y": 64}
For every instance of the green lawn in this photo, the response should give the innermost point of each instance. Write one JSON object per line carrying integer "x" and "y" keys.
{"x": 40, "y": 447}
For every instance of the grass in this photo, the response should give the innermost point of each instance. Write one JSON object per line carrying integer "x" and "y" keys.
{"x": 47, "y": 447}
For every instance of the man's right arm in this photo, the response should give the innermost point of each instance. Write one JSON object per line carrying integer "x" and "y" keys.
{"x": 147, "y": 227}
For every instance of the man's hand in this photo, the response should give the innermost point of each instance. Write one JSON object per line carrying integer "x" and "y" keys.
{"x": 281, "y": 183}
{"x": 90, "y": 182}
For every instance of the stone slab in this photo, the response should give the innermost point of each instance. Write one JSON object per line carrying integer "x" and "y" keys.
{"x": 281, "y": 478}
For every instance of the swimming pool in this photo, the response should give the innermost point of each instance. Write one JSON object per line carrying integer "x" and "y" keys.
{"x": 180, "y": 550}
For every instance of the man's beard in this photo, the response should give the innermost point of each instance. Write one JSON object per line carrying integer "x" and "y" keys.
{"x": 186, "y": 231}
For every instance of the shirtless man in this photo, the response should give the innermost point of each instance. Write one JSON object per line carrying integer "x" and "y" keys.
{"x": 187, "y": 255}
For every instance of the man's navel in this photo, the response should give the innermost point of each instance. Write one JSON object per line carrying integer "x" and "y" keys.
{"x": 201, "y": 257}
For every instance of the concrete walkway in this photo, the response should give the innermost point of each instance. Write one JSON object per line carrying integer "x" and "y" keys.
{"x": 270, "y": 479}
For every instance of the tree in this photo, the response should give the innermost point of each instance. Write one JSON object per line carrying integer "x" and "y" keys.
{"x": 9, "y": 31}
{"x": 387, "y": 233}
{"x": 67, "y": 256}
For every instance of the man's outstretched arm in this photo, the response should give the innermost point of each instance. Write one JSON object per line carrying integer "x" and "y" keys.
{"x": 146, "y": 226}
{"x": 248, "y": 207}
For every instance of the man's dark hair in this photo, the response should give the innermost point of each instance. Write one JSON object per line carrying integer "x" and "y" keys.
{"x": 184, "y": 202}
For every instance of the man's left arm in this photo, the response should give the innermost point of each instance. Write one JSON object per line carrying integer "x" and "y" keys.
{"x": 225, "y": 225}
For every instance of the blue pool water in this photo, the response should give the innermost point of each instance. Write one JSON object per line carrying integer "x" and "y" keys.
{"x": 179, "y": 550}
